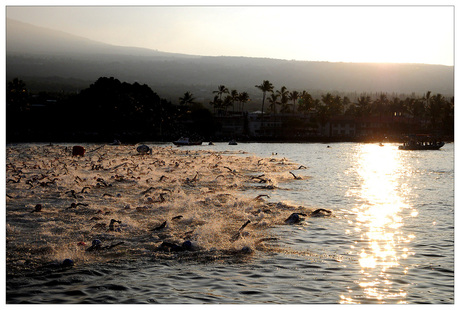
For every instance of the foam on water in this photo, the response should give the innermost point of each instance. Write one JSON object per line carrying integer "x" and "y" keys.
{"x": 166, "y": 198}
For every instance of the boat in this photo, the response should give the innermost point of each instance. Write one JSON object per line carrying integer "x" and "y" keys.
{"x": 186, "y": 141}
{"x": 415, "y": 146}
{"x": 421, "y": 142}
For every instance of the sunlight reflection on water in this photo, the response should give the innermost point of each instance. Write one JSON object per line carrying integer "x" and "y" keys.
{"x": 379, "y": 220}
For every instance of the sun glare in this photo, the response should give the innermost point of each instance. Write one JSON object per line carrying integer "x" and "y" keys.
{"x": 379, "y": 219}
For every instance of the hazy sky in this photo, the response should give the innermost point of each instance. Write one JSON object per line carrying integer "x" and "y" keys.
{"x": 413, "y": 34}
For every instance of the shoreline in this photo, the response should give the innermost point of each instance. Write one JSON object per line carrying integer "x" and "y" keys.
{"x": 281, "y": 141}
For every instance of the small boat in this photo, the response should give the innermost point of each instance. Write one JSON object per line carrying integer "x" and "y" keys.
{"x": 416, "y": 146}
{"x": 421, "y": 142}
{"x": 186, "y": 141}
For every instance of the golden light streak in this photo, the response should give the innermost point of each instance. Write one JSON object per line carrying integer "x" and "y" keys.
{"x": 379, "y": 221}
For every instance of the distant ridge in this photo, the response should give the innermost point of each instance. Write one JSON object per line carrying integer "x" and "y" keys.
{"x": 23, "y": 38}
{"x": 39, "y": 53}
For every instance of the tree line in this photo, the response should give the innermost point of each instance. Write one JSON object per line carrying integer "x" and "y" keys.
{"x": 435, "y": 111}
{"x": 110, "y": 109}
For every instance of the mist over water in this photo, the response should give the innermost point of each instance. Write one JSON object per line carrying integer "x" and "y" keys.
{"x": 389, "y": 238}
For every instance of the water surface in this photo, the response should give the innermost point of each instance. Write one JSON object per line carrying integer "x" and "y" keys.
{"x": 390, "y": 240}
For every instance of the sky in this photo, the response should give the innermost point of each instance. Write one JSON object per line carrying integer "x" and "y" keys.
{"x": 395, "y": 34}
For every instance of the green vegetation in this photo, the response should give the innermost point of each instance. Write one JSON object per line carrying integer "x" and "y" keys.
{"x": 109, "y": 109}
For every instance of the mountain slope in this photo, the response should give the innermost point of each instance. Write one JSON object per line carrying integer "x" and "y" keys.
{"x": 23, "y": 38}
{"x": 35, "y": 52}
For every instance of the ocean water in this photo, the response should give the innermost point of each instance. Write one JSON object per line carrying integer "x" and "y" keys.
{"x": 389, "y": 240}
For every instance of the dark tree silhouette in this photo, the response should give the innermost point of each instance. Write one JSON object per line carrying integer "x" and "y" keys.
{"x": 306, "y": 102}
{"x": 273, "y": 100}
{"x": 16, "y": 95}
{"x": 294, "y": 95}
{"x": 187, "y": 99}
{"x": 221, "y": 89}
{"x": 243, "y": 98}
{"x": 110, "y": 107}
{"x": 283, "y": 94}
{"x": 265, "y": 87}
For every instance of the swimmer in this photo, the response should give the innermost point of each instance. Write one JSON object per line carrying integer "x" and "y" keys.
{"x": 67, "y": 263}
{"x": 295, "y": 177}
{"x": 259, "y": 197}
{"x": 295, "y": 218}
{"x": 74, "y": 205}
{"x": 321, "y": 212}
{"x": 97, "y": 246}
{"x": 112, "y": 223}
{"x": 163, "y": 225}
{"x": 238, "y": 233}
{"x": 144, "y": 149}
{"x": 38, "y": 208}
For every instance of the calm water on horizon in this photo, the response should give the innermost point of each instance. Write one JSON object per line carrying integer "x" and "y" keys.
{"x": 390, "y": 241}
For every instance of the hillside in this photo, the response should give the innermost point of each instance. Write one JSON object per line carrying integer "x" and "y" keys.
{"x": 40, "y": 55}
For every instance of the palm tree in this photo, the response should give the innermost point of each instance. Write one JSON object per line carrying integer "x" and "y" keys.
{"x": 346, "y": 102}
{"x": 283, "y": 93}
{"x": 294, "y": 95}
{"x": 265, "y": 87}
{"x": 215, "y": 103}
{"x": 221, "y": 90}
{"x": 363, "y": 105}
{"x": 397, "y": 106}
{"x": 328, "y": 101}
{"x": 234, "y": 96}
{"x": 323, "y": 113}
{"x": 228, "y": 101}
{"x": 187, "y": 99}
{"x": 435, "y": 108}
{"x": 427, "y": 97}
{"x": 336, "y": 107}
{"x": 306, "y": 102}
{"x": 380, "y": 105}
{"x": 273, "y": 99}
{"x": 243, "y": 98}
